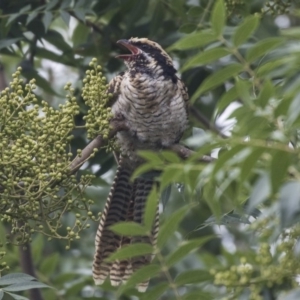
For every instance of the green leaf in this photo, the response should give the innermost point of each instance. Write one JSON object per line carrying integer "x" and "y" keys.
{"x": 249, "y": 163}
{"x": 218, "y": 17}
{"x": 15, "y": 278}
{"x": 151, "y": 209}
{"x": 205, "y": 57}
{"x": 141, "y": 275}
{"x": 227, "y": 98}
{"x": 156, "y": 291}
{"x": 129, "y": 229}
{"x": 198, "y": 295}
{"x": 289, "y": 198}
{"x": 80, "y": 13}
{"x": 79, "y": 34}
{"x": 49, "y": 264}
{"x": 226, "y": 156}
{"x": 131, "y": 250}
{"x": 51, "y": 4}
{"x": 65, "y": 17}
{"x": 184, "y": 249}
{"x": 31, "y": 16}
{"x": 17, "y": 297}
{"x": 187, "y": 28}
{"x": 4, "y": 43}
{"x": 192, "y": 276}
{"x": 151, "y": 156}
{"x": 47, "y": 19}
{"x": 278, "y": 169}
{"x": 267, "y": 69}
{"x": 217, "y": 78}
{"x": 37, "y": 246}
{"x": 194, "y": 40}
{"x": 266, "y": 93}
{"x": 12, "y": 18}
{"x": 245, "y": 30}
{"x": 263, "y": 47}
{"x": 25, "y": 285}
{"x": 171, "y": 174}
{"x": 260, "y": 192}
{"x": 170, "y": 225}
{"x": 170, "y": 156}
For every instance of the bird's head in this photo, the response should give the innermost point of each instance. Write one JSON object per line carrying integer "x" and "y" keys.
{"x": 147, "y": 56}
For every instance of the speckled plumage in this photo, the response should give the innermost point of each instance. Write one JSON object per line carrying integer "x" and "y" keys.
{"x": 152, "y": 101}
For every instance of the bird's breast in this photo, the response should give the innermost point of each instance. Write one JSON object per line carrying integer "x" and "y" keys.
{"x": 154, "y": 111}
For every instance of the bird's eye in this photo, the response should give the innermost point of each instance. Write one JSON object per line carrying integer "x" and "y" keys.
{"x": 145, "y": 47}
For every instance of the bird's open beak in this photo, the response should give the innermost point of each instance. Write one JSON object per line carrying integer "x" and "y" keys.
{"x": 125, "y": 44}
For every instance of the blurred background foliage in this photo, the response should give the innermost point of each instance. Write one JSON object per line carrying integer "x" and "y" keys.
{"x": 240, "y": 61}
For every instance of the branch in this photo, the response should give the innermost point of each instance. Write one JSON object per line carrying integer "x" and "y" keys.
{"x": 27, "y": 266}
{"x": 117, "y": 126}
{"x": 96, "y": 143}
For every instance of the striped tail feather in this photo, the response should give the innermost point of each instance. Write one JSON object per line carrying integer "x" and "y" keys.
{"x": 126, "y": 202}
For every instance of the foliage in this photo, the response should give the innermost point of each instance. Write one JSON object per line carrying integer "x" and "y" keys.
{"x": 235, "y": 62}
{"x": 18, "y": 282}
{"x": 36, "y": 187}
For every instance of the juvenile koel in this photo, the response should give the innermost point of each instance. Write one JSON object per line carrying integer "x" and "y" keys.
{"x": 152, "y": 102}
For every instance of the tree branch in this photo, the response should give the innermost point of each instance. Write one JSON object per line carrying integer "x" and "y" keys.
{"x": 116, "y": 126}
{"x": 28, "y": 268}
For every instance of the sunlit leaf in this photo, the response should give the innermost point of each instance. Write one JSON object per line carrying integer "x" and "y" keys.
{"x": 192, "y": 276}
{"x": 263, "y": 47}
{"x": 194, "y": 40}
{"x": 245, "y": 30}
{"x": 217, "y": 78}
{"x": 205, "y": 57}
{"x": 129, "y": 229}
{"x": 218, "y": 17}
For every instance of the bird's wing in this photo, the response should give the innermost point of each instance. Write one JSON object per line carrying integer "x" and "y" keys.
{"x": 184, "y": 91}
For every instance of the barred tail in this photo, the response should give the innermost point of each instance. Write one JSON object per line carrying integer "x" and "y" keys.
{"x": 126, "y": 202}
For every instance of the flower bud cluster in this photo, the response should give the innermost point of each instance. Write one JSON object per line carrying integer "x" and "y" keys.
{"x": 263, "y": 268}
{"x": 94, "y": 93}
{"x": 277, "y": 7}
{"x": 36, "y": 188}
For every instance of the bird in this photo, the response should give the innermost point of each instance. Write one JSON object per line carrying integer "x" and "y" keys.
{"x": 152, "y": 101}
